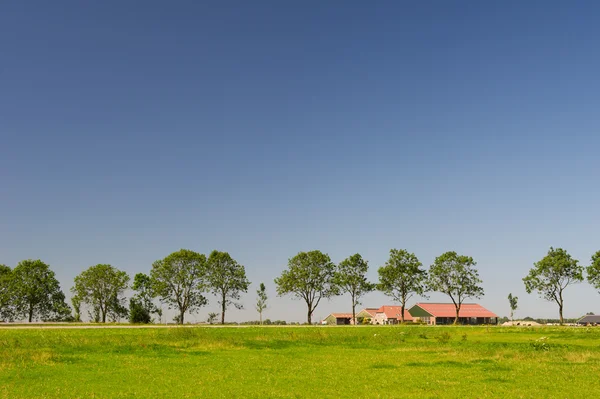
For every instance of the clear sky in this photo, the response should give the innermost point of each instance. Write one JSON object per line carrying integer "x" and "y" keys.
{"x": 129, "y": 130}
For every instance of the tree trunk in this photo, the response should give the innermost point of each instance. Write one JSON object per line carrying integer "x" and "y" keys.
{"x": 181, "y": 315}
{"x": 353, "y": 313}
{"x": 560, "y": 313}
{"x": 103, "y": 315}
{"x": 457, "y": 312}
{"x": 30, "y": 313}
{"x": 309, "y": 319}
{"x": 402, "y": 312}
{"x": 260, "y": 316}
{"x": 223, "y": 310}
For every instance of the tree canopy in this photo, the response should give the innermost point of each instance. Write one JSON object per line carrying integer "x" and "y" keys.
{"x": 402, "y": 277}
{"x": 6, "y": 300}
{"x": 351, "y": 277}
{"x": 593, "y": 271}
{"x": 512, "y": 302}
{"x": 36, "y": 292}
{"x": 309, "y": 276}
{"x": 552, "y": 274}
{"x": 102, "y": 287}
{"x": 261, "y": 300}
{"x": 455, "y": 275}
{"x": 227, "y": 280}
{"x": 180, "y": 280}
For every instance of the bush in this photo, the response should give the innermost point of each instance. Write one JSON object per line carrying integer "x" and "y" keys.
{"x": 137, "y": 313}
{"x": 444, "y": 337}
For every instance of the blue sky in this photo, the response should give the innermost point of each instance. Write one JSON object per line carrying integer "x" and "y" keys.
{"x": 265, "y": 129}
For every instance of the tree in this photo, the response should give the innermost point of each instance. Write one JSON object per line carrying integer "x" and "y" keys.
{"x": 512, "y": 302}
{"x": 227, "y": 279}
{"x": 101, "y": 287}
{"x": 402, "y": 277}
{"x": 551, "y": 275}
{"x": 180, "y": 279}
{"x": 455, "y": 275}
{"x": 212, "y": 318}
{"x": 593, "y": 271}
{"x": 309, "y": 277}
{"x": 6, "y": 297}
{"x": 261, "y": 300}
{"x": 141, "y": 305}
{"x": 117, "y": 309}
{"x": 76, "y": 303}
{"x": 36, "y": 292}
{"x": 350, "y": 277}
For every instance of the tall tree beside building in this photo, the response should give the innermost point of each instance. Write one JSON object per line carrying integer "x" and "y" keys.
{"x": 455, "y": 275}
{"x": 552, "y": 274}
{"x": 512, "y": 302}
{"x": 351, "y": 277}
{"x": 6, "y": 302}
{"x": 402, "y": 277}
{"x": 179, "y": 280}
{"x": 261, "y": 300}
{"x": 101, "y": 287}
{"x": 36, "y": 292}
{"x": 309, "y": 277}
{"x": 593, "y": 271}
{"x": 227, "y": 280}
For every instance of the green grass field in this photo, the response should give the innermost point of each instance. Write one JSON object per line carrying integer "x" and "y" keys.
{"x": 298, "y": 362}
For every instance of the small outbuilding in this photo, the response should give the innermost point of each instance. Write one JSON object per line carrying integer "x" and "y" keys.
{"x": 338, "y": 319}
{"x": 589, "y": 320}
{"x": 445, "y": 313}
{"x": 366, "y": 316}
{"x": 388, "y": 314}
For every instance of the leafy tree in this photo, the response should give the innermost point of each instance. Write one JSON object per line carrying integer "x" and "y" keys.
{"x": 101, "y": 287}
{"x": 212, "y": 318}
{"x": 141, "y": 306}
{"x": 261, "y": 300}
{"x": 6, "y": 300}
{"x": 350, "y": 277}
{"x": 455, "y": 275}
{"x": 76, "y": 303}
{"x": 551, "y": 275}
{"x": 36, "y": 292}
{"x": 180, "y": 279}
{"x": 512, "y": 302}
{"x": 117, "y": 309}
{"x": 593, "y": 271}
{"x": 310, "y": 277}
{"x": 402, "y": 277}
{"x": 227, "y": 279}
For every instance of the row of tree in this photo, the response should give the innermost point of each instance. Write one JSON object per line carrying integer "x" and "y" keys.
{"x": 182, "y": 279}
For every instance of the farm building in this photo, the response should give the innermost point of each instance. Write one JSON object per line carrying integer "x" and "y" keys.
{"x": 367, "y": 314}
{"x": 391, "y": 315}
{"x": 589, "y": 320}
{"x": 445, "y": 313}
{"x": 338, "y": 319}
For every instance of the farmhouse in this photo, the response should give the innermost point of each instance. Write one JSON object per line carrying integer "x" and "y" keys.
{"x": 338, "y": 319}
{"x": 390, "y": 315}
{"x": 589, "y": 320}
{"x": 367, "y": 314}
{"x": 445, "y": 313}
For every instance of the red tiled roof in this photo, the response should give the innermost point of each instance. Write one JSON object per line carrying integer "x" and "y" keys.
{"x": 449, "y": 310}
{"x": 370, "y": 311}
{"x": 394, "y": 312}
{"x": 342, "y": 315}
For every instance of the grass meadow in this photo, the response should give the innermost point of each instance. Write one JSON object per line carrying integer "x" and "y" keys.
{"x": 300, "y": 362}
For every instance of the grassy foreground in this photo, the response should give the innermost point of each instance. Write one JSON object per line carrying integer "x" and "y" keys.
{"x": 297, "y": 362}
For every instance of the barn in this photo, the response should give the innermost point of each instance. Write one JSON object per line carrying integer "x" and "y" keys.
{"x": 445, "y": 313}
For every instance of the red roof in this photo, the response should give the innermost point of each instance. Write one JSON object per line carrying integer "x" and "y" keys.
{"x": 394, "y": 312}
{"x": 342, "y": 315}
{"x": 370, "y": 311}
{"x": 449, "y": 310}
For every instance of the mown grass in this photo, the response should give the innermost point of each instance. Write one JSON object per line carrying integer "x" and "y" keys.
{"x": 298, "y": 362}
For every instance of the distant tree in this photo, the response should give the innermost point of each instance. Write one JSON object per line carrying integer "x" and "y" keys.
{"x": 351, "y": 277}
{"x": 402, "y": 277}
{"x": 589, "y": 314}
{"x": 227, "y": 280}
{"x": 261, "y": 300}
{"x": 117, "y": 309}
{"x": 512, "y": 302}
{"x": 6, "y": 297}
{"x": 180, "y": 279}
{"x": 101, "y": 287}
{"x": 141, "y": 305}
{"x": 455, "y": 275}
{"x": 212, "y": 318}
{"x": 593, "y": 271}
{"x": 76, "y": 303}
{"x": 310, "y": 277}
{"x": 36, "y": 292}
{"x": 551, "y": 275}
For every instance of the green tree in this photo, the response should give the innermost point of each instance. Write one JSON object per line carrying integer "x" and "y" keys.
{"x": 593, "y": 271}
{"x": 101, "y": 287}
{"x": 402, "y": 277}
{"x": 261, "y": 300}
{"x": 512, "y": 302}
{"x": 76, "y": 303}
{"x": 309, "y": 276}
{"x": 551, "y": 275}
{"x": 455, "y": 275}
{"x": 180, "y": 279}
{"x": 36, "y": 292}
{"x": 141, "y": 305}
{"x": 227, "y": 280}
{"x": 212, "y": 318}
{"x": 350, "y": 276}
{"x": 6, "y": 297}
